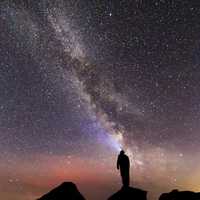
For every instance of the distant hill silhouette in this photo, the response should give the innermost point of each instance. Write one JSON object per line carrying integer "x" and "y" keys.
{"x": 66, "y": 191}
{"x": 129, "y": 193}
{"x": 180, "y": 195}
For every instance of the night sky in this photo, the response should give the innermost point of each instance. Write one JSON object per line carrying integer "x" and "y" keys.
{"x": 79, "y": 80}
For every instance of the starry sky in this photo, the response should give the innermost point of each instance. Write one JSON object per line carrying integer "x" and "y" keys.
{"x": 79, "y": 80}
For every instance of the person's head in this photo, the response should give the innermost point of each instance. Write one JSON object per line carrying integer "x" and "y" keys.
{"x": 122, "y": 152}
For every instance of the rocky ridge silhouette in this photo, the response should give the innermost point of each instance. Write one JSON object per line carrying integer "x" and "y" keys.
{"x": 69, "y": 191}
{"x": 180, "y": 195}
{"x": 129, "y": 193}
{"x": 66, "y": 191}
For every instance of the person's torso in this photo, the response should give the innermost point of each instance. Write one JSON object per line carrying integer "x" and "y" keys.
{"x": 124, "y": 161}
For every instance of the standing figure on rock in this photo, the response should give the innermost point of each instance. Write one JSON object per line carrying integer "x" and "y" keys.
{"x": 123, "y": 164}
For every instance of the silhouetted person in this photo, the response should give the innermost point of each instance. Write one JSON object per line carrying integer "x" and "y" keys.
{"x": 123, "y": 164}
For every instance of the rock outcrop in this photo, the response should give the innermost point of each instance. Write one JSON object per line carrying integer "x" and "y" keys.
{"x": 180, "y": 195}
{"x": 66, "y": 191}
{"x": 129, "y": 193}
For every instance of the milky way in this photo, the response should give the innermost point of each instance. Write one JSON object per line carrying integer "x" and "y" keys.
{"x": 81, "y": 80}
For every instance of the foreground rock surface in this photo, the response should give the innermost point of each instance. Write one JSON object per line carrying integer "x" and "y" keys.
{"x": 180, "y": 195}
{"x": 129, "y": 193}
{"x": 66, "y": 191}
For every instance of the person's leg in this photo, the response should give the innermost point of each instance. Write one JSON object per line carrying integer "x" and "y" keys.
{"x": 123, "y": 175}
{"x": 126, "y": 178}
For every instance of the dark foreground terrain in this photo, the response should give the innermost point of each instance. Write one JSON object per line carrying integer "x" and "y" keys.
{"x": 69, "y": 191}
{"x": 65, "y": 191}
{"x": 129, "y": 193}
{"x": 180, "y": 195}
